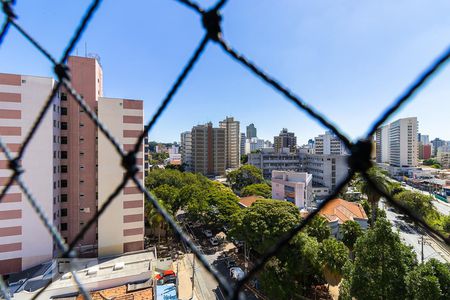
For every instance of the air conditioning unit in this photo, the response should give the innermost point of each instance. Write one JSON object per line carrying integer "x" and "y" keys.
{"x": 92, "y": 271}
{"x": 119, "y": 266}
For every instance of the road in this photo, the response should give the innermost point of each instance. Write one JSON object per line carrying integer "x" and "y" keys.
{"x": 412, "y": 235}
{"x": 206, "y": 286}
{"x": 442, "y": 207}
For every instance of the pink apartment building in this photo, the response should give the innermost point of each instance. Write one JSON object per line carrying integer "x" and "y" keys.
{"x": 70, "y": 168}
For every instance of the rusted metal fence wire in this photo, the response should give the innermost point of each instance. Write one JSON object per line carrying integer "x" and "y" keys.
{"x": 359, "y": 159}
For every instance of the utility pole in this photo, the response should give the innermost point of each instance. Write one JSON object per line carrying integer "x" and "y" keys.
{"x": 422, "y": 249}
{"x": 193, "y": 273}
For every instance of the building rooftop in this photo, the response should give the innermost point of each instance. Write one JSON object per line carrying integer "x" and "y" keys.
{"x": 94, "y": 273}
{"x": 248, "y": 201}
{"x": 341, "y": 210}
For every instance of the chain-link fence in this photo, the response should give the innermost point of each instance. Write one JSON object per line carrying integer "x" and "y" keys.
{"x": 359, "y": 159}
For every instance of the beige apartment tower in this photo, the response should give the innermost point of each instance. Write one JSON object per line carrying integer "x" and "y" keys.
{"x": 232, "y": 144}
{"x": 70, "y": 168}
{"x": 121, "y": 227}
{"x": 208, "y": 150}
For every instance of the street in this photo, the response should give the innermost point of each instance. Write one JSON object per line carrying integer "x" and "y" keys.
{"x": 205, "y": 285}
{"x": 412, "y": 236}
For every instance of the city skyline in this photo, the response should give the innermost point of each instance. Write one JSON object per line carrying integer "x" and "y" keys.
{"x": 335, "y": 80}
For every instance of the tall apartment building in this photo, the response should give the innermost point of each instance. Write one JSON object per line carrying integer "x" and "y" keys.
{"x": 24, "y": 241}
{"x": 423, "y": 138}
{"x": 382, "y": 144}
{"x": 67, "y": 169}
{"x": 186, "y": 150}
{"x": 251, "y": 131}
{"x": 121, "y": 226}
{"x": 437, "y": 143}
{"x": 403, "y": 146}
{"x": 329, "y": 143}
{"x": 146, "y": 154}
{"x": 79, "y": 152}
{"x": 232, "y": 145}
{"x": 242, "y": 142}
{"x": 208, "y": 150}
{"x": 285, "y": 139}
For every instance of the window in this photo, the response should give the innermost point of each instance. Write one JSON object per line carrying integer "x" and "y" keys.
{"x": 63, "y": 97}
{"x": 54, "y": 154}
{"x": 63, "y": 183}
{"x": 63, "y": 169}
{"x": 54, "y": 184}
{"x": 64, "y": 140}
{"x": 64, "y": 154}
{"x": 63, "y": 125}
{"x": 63, "y": 197}
{"x": 63, "y": 212}
{"x": 63, "y": 226}
{"x": 81, "y": 124}
{"x": 54, "y": 107}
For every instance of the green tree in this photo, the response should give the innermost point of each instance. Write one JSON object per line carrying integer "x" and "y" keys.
{"x": 372, "y": 194}
{"x": 262, "y": 224}
{"x": 446, "y": 224}
{"x": 292, "y": 272}
{"x": 169, "y": 195}
{"x": 318, "y": 227}
{"x": 381, "y": 264}
{"x": 257, "y": 189}
{"x": 244, "y": 176}
{"x": 417, "y": 203}
{"x": 430, "y": 280}
{"x": 333, "y": 255}
{"x": 351, "y": 231}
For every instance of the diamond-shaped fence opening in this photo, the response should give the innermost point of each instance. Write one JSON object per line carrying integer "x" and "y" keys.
{"x": 359, "y": 160}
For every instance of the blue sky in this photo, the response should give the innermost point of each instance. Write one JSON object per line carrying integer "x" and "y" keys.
{"x": 349, "y": 59}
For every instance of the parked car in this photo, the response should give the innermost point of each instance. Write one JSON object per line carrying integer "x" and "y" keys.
{"x": 236, "y": 273}
{"x": 231, "y": 263}
{"x": 207, "y": 233}
{"x": 214, "y": 241}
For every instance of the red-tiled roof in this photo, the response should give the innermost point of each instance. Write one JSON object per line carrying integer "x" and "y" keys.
{"x": 120, "y": 293}
{"x": 248, "y": 201}
{"x": 342, "y": 211}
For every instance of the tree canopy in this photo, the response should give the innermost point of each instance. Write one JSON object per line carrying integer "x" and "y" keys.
{"x": 381, "y": 264}
{"x": 257, "y": 189}
{"x": 263, "y": 223}
{"x": 430, "y": 280}
{"x": 318, "y": 227}
{"x": 351, "y": 231}
{"x": 244, "y": 176}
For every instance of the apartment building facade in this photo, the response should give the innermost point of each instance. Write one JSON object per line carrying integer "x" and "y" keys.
{"x": 403, "y": 144}
{"x": 285, "y": 139}
{"x": 232, "y": 144}
{"x": 121, "y": 226}
{"x": 66, "y": 169}
{"x": 186, "y": 150}
{"x": 329, "y": 143}
{"x": 382, "y": 144}
{"x": 24, "y": 241}
{"x": 251, "y": 131}
{"x": 208, "y": 150}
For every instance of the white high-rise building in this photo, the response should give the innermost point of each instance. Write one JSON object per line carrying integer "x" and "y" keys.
{"x": 186, "y": 150}
{"x": 403, "y": 145}
{"x": 382, "y": 144}
{"x": 328, "y": 143}
{"x": 242, "y": 143}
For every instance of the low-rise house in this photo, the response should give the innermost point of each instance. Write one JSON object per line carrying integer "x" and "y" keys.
{"x": 338, "y": 211}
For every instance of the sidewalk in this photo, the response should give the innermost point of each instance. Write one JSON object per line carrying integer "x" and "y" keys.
{"x": 184, "y": 274}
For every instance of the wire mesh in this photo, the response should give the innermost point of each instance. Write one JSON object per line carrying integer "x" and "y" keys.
{"x": 359, "y": 159}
